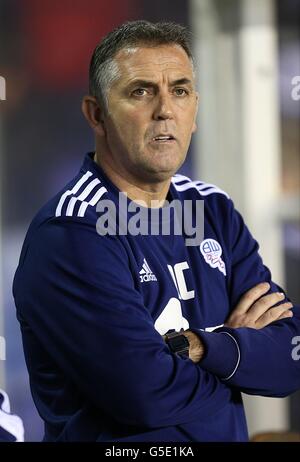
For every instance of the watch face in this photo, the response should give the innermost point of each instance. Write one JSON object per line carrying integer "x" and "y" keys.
{"x": 178, "y": 343}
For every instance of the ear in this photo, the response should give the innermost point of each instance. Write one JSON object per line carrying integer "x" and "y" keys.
{"x": 196, "y": 112}
{"x": 93, "y": 113}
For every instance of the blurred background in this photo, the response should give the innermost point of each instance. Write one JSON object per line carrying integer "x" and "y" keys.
{"x": 248, "y": 139}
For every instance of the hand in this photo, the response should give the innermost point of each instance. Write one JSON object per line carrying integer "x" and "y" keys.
{"x": 258, "y": 311}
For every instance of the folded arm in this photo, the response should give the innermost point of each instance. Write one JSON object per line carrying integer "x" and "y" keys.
{"x": 91, "y": 321}
{"x": 254, "y": 349}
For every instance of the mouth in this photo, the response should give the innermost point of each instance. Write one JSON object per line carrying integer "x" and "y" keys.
{"x": 163, "y": 138}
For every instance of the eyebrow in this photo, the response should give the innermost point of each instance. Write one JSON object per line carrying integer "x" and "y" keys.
{"x": 150, "y": 83}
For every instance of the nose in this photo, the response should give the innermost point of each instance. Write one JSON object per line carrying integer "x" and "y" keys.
{"x": 163, "y": 108}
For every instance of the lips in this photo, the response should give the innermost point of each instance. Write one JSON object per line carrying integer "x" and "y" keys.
{"x": 163, "y": 137}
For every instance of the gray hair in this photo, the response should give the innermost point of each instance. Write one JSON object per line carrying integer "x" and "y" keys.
{"x": 104, "y": 69}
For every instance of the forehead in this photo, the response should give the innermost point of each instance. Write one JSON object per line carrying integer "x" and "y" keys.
{"x": 152, "y": 61}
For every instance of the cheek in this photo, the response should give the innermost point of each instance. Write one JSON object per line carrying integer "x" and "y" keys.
{"x": 127, "y": 135}
{"x": 130, "y": 122}
{"x": 134, "y": 133}
{"x": 188, "y": 126}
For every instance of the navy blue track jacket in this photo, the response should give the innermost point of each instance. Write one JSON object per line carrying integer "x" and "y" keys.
{"x": 93, "y": 310}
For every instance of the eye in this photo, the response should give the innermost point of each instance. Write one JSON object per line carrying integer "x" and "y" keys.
{"x": 139, "y": 92}
{"x": 180, "y": 91}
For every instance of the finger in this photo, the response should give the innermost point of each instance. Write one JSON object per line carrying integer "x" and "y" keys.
{"x": 286, "y": 314}
{"x": 264, "y": 304}
{"x": 251, "y": 296}
{"x": 273, "y": 314}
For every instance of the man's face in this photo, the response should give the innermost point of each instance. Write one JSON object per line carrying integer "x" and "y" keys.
{"x": 151, "y": 112}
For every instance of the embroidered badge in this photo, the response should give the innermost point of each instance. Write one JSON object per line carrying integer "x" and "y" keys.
{"x": 212, "y": 251}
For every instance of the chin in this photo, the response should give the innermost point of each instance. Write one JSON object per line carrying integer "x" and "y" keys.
{"x": 161, "y": 174}
{"x": 161, "y": 168}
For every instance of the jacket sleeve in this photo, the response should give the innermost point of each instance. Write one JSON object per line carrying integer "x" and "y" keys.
{"x": 265, "y": 361}
{"x": 75, "y": 291}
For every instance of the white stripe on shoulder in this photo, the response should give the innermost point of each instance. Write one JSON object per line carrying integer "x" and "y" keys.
{"x": 178, "y": 178}
{"x": 74, "y": 190}
{"x": 204, "y": 189}
{"x": 83, "y": 195}
{"x": 91, "y": 188}
{"x": 201, "y": 185}
{"x": 185, "y": 186}
{"x": 95, "y": 199}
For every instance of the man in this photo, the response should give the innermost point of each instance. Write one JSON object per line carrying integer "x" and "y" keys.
{"x": 102, "y": 306}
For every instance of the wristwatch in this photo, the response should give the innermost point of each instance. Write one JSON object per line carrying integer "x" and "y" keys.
{"x": 178, "y": 342}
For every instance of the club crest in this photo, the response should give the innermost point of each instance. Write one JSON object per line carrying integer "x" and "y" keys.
{"x": 212, "y": 251}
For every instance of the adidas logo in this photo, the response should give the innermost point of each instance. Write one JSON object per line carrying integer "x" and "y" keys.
{"x": 146, "y": 274}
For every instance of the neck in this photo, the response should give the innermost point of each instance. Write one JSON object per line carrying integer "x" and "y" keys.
{"x": 154, "y": 194}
